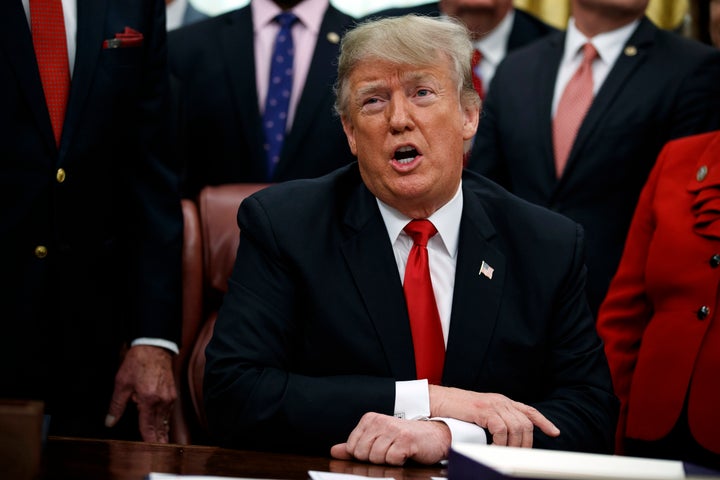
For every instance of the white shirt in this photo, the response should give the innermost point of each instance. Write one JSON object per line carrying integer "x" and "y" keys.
{"x": 70, "y": 17}
{"x": 609, "y": 46}
{"x": 175, "y": 14}
{"x": 412, "y": 398}
{"x": 305, "y": 32}
{"x": 493, "y": 47}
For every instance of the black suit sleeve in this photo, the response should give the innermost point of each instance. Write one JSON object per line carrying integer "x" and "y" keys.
{"x": 255, "y": 395}
{"x": 579, "y": 400}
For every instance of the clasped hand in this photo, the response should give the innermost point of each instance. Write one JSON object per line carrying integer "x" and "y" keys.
{"x": 385, "y": 439}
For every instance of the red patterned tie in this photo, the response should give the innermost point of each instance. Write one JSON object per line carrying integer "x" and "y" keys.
{"x": 424, "y": 318}
{"x": 49, "y": 40}
{"x": 572, "y": 108}
{"x": 477, "y": 81}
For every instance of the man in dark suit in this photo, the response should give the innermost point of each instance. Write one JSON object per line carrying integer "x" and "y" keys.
{"x": 91, "y": 226}
{"x": 317, "y": 347}
{"x": 219, "y": 63}
{"x": 650, "y": 86}
{"x": 496, "y": 27}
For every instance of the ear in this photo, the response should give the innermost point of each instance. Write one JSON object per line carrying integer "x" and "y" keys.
{"x": 471, "y": 118}
{"x": 349, "y": 133}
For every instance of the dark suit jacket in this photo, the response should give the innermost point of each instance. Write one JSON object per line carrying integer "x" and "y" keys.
{"x": 525, "y": 29}
{"x": 314, "y": 330}
{"x": 112, "y": 227}
{"x": 221, "y": 135}
{"x": 666, "y": 88}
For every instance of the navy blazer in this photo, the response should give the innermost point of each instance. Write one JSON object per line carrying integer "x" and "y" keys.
{"x": 661, "y": 87}
{"x": 526, "y": 27}
{"x": 220, "y": 129}
{"x": 314, "y": 330}
{"x": 104, "y": 205}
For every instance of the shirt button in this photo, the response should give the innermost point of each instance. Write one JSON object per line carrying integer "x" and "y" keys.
{"x": 60, "y": 175}
{"x": 41, "y": 251}
{"x": 715, "y": 260}
{"x": 703, "y": 312}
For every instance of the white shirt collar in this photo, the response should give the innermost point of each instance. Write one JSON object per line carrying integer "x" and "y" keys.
{"x": 446, "y": 220}
{"x": 493, "y": 45}
{"x": 609, "y": 45}
{"x": 309, "y": 12}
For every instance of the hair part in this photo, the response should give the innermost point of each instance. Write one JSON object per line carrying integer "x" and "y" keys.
{"x": 414, "y": 40}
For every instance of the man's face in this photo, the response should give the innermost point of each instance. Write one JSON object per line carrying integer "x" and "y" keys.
{"x": 715, "y": 22}
{"x": 479, "y": 16}
{"x": 406, "y": 125}
{"x": 614, "y": 8}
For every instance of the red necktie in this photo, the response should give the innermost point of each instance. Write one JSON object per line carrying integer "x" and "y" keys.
{"x": 572, "y": 108}
{"x": 477, "y": 81}
{"x": 427, "y": 332}
{"x": 50, "y": 42}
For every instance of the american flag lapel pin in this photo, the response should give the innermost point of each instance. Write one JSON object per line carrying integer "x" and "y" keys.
{"x": 486, "y": 270}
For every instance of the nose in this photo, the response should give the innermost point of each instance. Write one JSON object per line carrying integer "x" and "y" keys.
{"x": 400, "y": 114}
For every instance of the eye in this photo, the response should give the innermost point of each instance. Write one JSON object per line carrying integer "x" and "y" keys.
{"x": 423, "y": 92}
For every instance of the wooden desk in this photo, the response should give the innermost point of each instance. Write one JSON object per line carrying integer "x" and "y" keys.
{"x": 72, "y": 458}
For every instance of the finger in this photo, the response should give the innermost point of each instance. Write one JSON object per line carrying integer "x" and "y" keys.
{"x": 498, "y": 429}
{"x": 340, "y": 451}
{"x": 118, "y": 403}
{"x": 396, "y": 455}
{"x": 379, "y": 450}
{"x": 150, "y": 423}
{"x": 539, "y": 420}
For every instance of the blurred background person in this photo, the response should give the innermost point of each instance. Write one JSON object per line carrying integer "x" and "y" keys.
{"x": 242, "y": 121}
{"x": 660, "y": 318}
{"x": 496, "y": 28}
{"x": 180, "y": 13}
{"x": 576, "y": 120}
{"x": 91, "y": 227}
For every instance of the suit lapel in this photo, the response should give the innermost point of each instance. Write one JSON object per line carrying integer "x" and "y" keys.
{"x": 16, "y": 42}
{"x": 90, "y": 28}
{"x": 236, "y": 42}
{"x": 632, "y": 56}
{"x": 318, "y": 84}
{"x": 370, "y": 258}
{"x": 546, "y": 75}
{"x": 476, "y": 298}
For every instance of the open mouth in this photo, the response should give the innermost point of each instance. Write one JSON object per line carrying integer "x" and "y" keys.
{"x": 406, "y": 154}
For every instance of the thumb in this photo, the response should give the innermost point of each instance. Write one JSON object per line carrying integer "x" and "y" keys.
{"x": 340, "y": 452}
{"x": 117, "y": 406}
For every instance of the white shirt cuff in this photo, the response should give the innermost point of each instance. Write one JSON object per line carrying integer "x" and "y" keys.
{"x": 463, "y": 431}
{"x": 157, "y": 342}
{"x": 412, "y": 399}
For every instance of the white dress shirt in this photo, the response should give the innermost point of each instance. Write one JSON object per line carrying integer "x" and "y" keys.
{"x": 412, "y": 398}
{"x": 493, "y": 47}
{"x": 609, "y": 46}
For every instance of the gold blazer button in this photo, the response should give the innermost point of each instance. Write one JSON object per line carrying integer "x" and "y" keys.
{"x": 41, "y": 251}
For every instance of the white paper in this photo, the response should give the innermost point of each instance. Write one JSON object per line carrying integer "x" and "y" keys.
{"x": 561, "y": 465}
{"x": 316, "y": 475}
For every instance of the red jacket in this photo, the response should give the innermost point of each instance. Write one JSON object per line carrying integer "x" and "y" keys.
{"x": 659, "y": 320}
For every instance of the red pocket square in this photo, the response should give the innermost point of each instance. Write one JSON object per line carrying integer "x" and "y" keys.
{"x": 128, "y": 38}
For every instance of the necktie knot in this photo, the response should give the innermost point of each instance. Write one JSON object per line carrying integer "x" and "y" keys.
{"x": 286, "y": 19}
{"x": 421, "y": 231}
{"x": 590, "y": 53}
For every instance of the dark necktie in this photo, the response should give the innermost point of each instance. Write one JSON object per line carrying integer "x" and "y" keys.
{"x": 425, "y": 325}
{"x": 50, "y": 42}
{"x": 572, "y": 108}
{"x": 279, "y": 90}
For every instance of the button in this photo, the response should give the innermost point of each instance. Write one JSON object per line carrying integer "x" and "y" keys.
{"x": 60, "y": 175}
{"x": 715, "y": 260}
{"x": 702, "y": 173}
{"x": 631, "y": 50}
{"x": 41, "y": 251}
{"x": 333, "y": 38}
{"x": 703, "y": 312}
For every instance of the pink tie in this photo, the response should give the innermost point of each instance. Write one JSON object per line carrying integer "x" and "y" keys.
{"x": 425, "y": 325}
{"x": 48, "y": 32}
{"x": 477, "y": 81}
{"x": 572, "y": 108}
